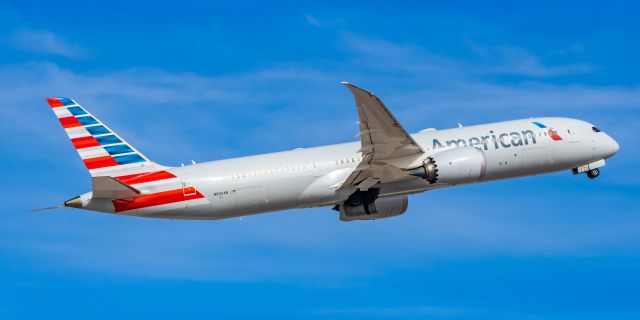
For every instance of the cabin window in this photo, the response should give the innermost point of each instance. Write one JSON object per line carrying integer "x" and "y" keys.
{"x": 595, "y": 129}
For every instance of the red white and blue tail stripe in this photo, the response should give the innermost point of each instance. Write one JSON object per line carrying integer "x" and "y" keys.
{"x": 103, "y": 152}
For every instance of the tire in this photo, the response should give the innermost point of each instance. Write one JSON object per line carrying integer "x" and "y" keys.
{"x": 593, "y": 173}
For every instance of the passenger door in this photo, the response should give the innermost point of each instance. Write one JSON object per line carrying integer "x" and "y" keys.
{"x": 572, "y": 134}
{"x": 187, "y": 188}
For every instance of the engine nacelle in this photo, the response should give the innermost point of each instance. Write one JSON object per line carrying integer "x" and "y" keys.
{"x": 363, "y": 205}
{"x": 453, "y": 166}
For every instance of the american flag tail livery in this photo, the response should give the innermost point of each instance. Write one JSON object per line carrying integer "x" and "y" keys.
{"x": 103, "y": 152}
{"x": 123, "y": 180}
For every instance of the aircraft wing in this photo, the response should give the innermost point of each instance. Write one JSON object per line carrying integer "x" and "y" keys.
{"x": 383, "y": 140}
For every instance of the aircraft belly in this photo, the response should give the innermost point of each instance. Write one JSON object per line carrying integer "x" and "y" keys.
{"x": 406, "y": 187}
{"x": 251, "y": 197}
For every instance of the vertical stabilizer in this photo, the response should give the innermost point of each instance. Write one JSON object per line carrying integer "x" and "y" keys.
{"x": 103, "y": 152}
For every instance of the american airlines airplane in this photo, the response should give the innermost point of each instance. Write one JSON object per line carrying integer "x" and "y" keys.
{"x": 365, "y": 180}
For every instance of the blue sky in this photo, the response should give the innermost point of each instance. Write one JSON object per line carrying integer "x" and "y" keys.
{"x": 189, "y": 81}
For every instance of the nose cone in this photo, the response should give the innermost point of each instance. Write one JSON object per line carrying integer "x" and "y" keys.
{"x": 613, "y": 146}
{"x": 616, "y": 146}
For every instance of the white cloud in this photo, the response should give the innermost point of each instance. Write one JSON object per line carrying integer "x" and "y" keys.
{"x": 312, "y": 20}
{"x": 322, "y": 23}
{"x": 377, "y": 311}
{"x": 379, "y": 54}
{"x": 490, "y": 60}
{"x": 257, "y": 95}
{"x": 45, "y": 42}
{"x": 513, "y": 60}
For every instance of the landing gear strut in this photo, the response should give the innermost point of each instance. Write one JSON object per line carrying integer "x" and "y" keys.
{"x": 593, "y": 173}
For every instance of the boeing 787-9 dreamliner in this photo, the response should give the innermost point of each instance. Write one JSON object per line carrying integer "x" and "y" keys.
{"x": 364, "y": 180}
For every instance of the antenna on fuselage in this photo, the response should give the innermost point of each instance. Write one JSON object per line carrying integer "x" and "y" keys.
{"x": 459, "y": 125}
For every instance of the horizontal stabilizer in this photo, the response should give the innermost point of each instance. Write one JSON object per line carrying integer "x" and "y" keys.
{"x": 109, "y": 188}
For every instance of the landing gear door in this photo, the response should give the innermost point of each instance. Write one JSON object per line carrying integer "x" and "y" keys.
{"x": 250, "y": 198}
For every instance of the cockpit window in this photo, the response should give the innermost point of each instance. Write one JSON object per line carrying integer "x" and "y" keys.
{"x": 595, "y": 129}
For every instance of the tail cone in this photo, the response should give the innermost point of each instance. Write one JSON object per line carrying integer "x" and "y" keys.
{"x": 419, "y": 172}
{"x": 74, "y": 203}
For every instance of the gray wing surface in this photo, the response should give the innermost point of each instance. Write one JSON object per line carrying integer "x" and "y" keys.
{"x": 382, "y": 139}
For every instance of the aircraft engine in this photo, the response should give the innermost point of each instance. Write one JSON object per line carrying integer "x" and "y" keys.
{"x": 453, "y": 166}
{"x": 365, "y": 205}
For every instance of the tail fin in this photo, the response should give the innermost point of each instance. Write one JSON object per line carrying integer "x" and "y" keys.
{"x": 103, "y": 152}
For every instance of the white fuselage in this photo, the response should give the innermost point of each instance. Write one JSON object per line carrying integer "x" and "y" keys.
{"x": 309, "y": 177}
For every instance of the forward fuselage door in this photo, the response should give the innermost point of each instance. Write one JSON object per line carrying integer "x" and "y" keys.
{"x": 572, "y": 134}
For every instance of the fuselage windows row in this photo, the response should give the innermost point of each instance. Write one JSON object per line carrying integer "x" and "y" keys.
{"x": 347, "y": 160}
{"x": 268, "y": 171}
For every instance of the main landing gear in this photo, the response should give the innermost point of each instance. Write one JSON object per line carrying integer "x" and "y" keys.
{"x": 593, "y": 173}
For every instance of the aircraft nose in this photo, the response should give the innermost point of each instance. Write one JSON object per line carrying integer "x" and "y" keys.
{"x": 613, "y": 146}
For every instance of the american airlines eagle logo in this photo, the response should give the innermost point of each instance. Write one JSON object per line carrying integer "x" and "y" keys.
{"x": 552, "y": 133}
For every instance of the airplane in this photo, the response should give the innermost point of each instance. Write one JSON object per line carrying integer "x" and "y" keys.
{"x": 364, "y": 180}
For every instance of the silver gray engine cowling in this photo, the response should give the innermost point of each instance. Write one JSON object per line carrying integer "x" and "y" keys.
{"x": 365, "y": 205}
{"x": 453, "y": 166}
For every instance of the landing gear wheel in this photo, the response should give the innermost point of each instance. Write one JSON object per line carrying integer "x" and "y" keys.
{"x": 593, "y": 173}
